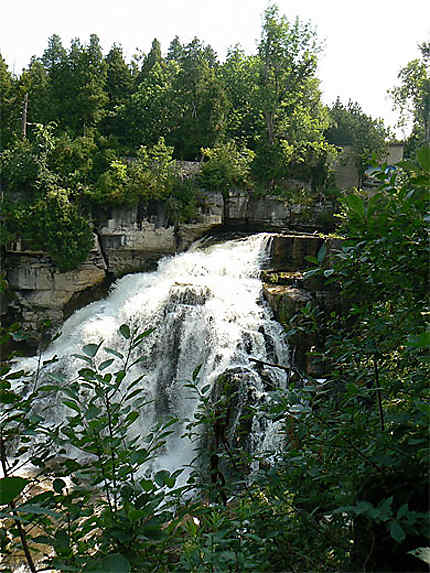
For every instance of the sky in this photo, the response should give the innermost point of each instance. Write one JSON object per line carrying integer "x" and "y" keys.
{"x": 366, "y": 43}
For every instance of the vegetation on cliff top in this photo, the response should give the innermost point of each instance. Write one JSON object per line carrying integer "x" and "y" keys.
{"x": 98, "y": 111}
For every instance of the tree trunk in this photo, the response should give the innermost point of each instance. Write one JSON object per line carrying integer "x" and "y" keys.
{"x": 24, "y": 116}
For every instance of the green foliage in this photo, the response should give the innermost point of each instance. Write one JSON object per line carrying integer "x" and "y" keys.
{"x": 8, "y": 105}
{"x": 151, "y": 175}
{"x": 412, "y": 99}
{"x": 39, "y": 210}
{"x": 53, "y": 223}
{"x": 225, "y": 166}
{"x": 363, "y": 436}
{"x": 94, "y": 513}
{"x": 198, "y": 101}
{"x": 346, "y": 490}
{"x": 352, "y": 127}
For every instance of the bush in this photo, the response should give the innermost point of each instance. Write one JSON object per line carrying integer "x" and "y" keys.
{"x": 53, "y": 224}
{"x": 225, "y": 166}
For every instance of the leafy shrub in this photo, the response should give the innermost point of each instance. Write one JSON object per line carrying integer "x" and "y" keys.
{"x": 225, "y": 166}
{"x": 53, "y": 224}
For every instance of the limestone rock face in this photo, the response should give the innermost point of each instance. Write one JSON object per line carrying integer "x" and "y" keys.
{"x": 41, "y": 292}
{"x": 285, "y": 301}
{"x": 274, "y": 212}
{"x": 287, "y": 291}
{"x": 135, "y": 239}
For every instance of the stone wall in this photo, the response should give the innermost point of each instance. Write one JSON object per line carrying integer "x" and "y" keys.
{"x": 346, "y": 172}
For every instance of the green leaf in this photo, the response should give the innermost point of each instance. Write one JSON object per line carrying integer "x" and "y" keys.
{"x": 152, "y": 529}
{"x": 73, "y": 405}
{"x": 48, "y": 388}
{"x": 106, "y": 363}
{"x": 87, "y": 373}
{"x": 141, "y": 336}
{"x": 421, "y": 340}
{"x": 322, "y": 253}
{"x": 115, "y": 563}
{"x": 196, "y": 372}
{"x": 114, "y": 352}
{"x": 131, "y": 418}
{"x": 147, "y": 484}
{"x": 355, "y": 204}
{"x": 311, "y": 259}
{"x": 36, "y": 509}
{"x": 82, "y": 357}
{"x": 91, "y": 349}
{"x": 8, "y": 397}
{"x": 162, "y": 477}
{"x": 423, "y": 156}
{"x": 124, "y": 330}
{"x": 58, "y": 485}
{"x": 422, "y": 553}
{"x": 397, "y": 532}
{"x": 328, "y": 272}
{"x": 403, "y": 510}
{"x": 15, "y": 375}
{"x": 10, "y": 488}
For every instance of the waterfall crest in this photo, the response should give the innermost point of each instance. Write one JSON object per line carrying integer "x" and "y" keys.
{"x": 206, "y": 308}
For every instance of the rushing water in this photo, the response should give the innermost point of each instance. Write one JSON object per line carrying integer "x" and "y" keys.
{"x": 207, "y": 308}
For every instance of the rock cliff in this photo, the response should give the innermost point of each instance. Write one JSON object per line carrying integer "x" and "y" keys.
{"x": 133, "y": 239}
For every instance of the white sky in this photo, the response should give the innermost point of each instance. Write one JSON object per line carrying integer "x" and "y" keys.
{"x": 366, "y": 43}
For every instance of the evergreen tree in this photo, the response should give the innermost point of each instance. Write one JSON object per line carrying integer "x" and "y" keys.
{"x": 54, "y": 60}
{"x": 9, "y": 105}
{"x": 34, "y": 82}
{"x": 154, "y": 57}
{"x": 198, "y": 101}
{"x": 175, "y": 51}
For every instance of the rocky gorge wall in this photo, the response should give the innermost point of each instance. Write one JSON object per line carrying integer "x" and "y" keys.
{"x": 133, "y": 239}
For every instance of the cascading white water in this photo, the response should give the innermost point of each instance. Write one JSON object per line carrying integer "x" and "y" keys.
{"x": 207, "y": 309}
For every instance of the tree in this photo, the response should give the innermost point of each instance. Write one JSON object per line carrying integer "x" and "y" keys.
{"x": 154, "y": 57}
{"x": 54, "y": 60}
{"x": 9, "y": 105}
{"x": 362, "y": 440}
{"x": 351, "y": 126}
{"x": 92, "y": 95}
{"x": 34, "y": 83}
{"x": 47, "y": 216}
{"x": 119, "y": 81}
{"x": 287, "y": 58}
{"x": 238, "y": 73}
{"x": 175, "y": 50}
{"x": 150, "y": 111}
{"x": 225, "y": 166}
{"x": 288, "y": 98}
{"x": 412, "y": 98}
{"x": 119, "y": 89}
{"x": 198, "y": 102}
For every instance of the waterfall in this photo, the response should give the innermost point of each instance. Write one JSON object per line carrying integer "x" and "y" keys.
{"x": 206, "y": 308}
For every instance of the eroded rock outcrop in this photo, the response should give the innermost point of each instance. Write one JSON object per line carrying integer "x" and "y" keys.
{"x": 288, "y": 291}
{"x": 40, "y": 292}
{"x": 133, "y": 239}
